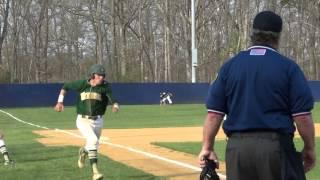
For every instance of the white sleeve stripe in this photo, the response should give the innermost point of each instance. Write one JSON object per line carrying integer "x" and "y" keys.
{"x": 214, "y": 111}
{"x": 300, "y": 114}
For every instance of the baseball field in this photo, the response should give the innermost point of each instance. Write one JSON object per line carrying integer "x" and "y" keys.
{"x": 140, "y": 142}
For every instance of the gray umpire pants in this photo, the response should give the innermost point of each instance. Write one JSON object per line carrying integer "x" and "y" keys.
{"x": 262, "y": 156}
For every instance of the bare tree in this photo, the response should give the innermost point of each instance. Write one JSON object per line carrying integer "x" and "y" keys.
{"x": 143, "y": 40}
{"x": 36, "y": 18}
{"x": 96, "y": 7}
{"x": 4, "y": 6}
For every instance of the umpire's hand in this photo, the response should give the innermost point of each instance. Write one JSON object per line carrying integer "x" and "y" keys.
{"x": 207, "y": 154}
{"x": 59, "y": 107}
{"x": 209, "y": 171}
{"x": 208, "y": 161}
{"x": 309, "y": 159}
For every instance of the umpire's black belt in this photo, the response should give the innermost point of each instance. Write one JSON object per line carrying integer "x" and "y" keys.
{"x": 261, "y": 134}
{"x": 91, "y": 117}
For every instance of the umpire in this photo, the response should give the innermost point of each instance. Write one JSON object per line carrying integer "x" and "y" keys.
{"x": 266, "y": 97}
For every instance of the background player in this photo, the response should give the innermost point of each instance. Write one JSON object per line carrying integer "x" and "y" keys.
{"x": 165, "y": 98}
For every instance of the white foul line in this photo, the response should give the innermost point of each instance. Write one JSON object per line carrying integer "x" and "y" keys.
{"x": 24, "y": 122}
{"x": 150, "y": 155}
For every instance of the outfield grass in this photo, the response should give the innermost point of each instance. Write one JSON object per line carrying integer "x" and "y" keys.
{"x": 35, "y": 161}
{"x": 142, "y": 116}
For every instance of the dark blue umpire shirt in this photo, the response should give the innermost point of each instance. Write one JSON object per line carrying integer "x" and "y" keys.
{"x": 260, "y": 89}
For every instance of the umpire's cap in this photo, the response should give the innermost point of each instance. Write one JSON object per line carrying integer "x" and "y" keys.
{"x": 97, "y": 69}
{"x": 268, "y": 21}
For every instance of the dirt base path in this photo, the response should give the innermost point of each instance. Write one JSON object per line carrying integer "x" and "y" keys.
{"x": 133, "y": 147}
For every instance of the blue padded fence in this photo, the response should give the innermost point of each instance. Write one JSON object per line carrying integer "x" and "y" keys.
{"x": 315, "y": 88}
{"x": 32, "y": 95}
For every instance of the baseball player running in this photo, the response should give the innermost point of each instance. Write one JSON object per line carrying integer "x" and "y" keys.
{"x": 94, "y": 96}
{"x": 4, "y": 151}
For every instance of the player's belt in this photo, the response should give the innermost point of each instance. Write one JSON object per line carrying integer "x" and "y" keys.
{"x": 90, "y": 117}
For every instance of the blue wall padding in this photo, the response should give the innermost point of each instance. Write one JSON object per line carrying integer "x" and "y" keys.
{"x": 315, "y": 88}
{"x": 31, "y": 95}
{"x": 26, "y": 95}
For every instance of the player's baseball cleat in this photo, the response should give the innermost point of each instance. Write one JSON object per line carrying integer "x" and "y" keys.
{"x": 82, "y": 157}
{"x": 9, "y": 163}
{"x": 97, "y": 176}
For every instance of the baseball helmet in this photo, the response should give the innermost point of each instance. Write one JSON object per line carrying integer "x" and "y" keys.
{"x": 97, "y": 69}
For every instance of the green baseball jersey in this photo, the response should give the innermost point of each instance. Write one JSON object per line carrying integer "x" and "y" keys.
{"x": 91, "y": 101}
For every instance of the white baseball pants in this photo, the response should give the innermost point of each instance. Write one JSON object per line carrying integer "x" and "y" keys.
{"x": 91, "y": 131}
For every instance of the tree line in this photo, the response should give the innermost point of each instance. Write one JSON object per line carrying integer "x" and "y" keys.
{"x": 44, "y": 41}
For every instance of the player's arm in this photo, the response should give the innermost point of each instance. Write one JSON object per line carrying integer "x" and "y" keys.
{"x": 115, "y": 104}
{"x": 59, "y": 106}
{"x": 115, "y": 107}
{"x": 73, "y": 85}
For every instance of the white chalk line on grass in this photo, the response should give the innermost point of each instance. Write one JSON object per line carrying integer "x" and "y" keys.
{"x": 24, "y": 122}
{"x": 150, "y": 155}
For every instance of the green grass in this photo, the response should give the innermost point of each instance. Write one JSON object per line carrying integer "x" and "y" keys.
{"x": 35, "y": 161}
{"x": 142, "y": 116}
{"x": 316, "y": 113}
